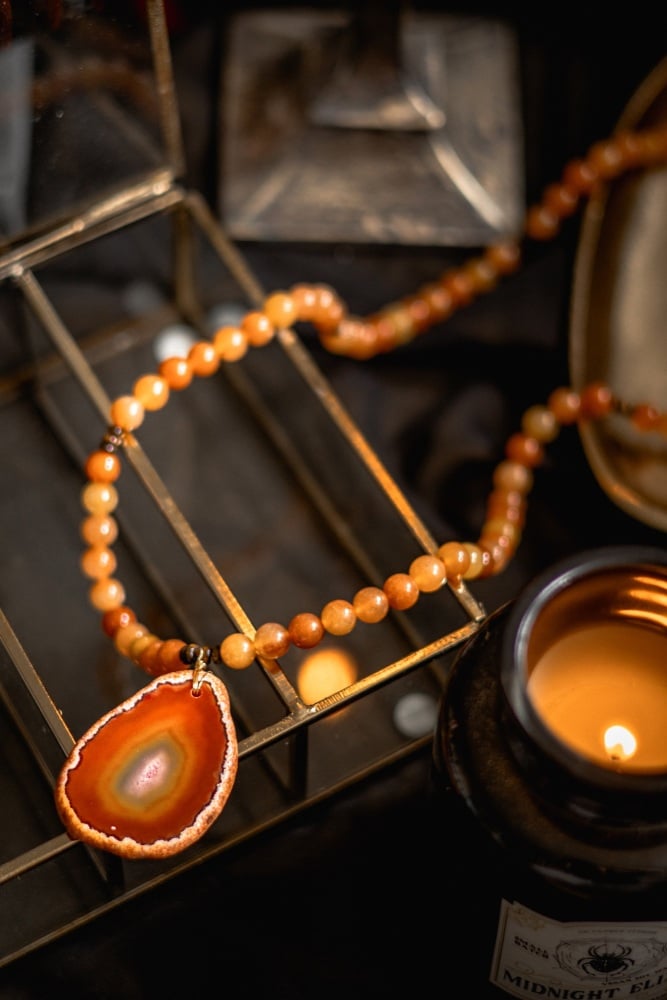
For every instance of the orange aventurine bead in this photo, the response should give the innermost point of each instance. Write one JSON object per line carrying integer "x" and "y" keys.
{"x": 237, "y": 651}
{"x": 597, "y": 401}
{"x": 102, "y": 467}
{"x": 271, "y": 640}
{"x": 338, "y": 617}
{"x": 370, "y": 605}
{"x": 177, "y": 372}
{"x": 127, "y": 412}
{"x": 401, "y": 590}
{"x": 152, "y": 391}
{"x": 117, "y": 618}
{"x": 204, "y": 358}
{"x": 305, "y": 630}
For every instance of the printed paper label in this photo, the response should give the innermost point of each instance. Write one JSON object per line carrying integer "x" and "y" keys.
{"x": 535, "y": 956}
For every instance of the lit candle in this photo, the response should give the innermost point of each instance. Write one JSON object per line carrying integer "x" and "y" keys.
{"x": 585, "y": 662}
{"x": 602, "y": 689}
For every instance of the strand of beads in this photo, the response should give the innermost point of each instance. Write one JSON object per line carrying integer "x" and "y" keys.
{"x": 400, "y": 322}
{"x": 454, "y": 561}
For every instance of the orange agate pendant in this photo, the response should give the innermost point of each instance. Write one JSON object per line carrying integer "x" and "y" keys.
{"x": 149, "y": 778}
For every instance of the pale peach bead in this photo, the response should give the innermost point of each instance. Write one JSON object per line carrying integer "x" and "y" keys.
{"x": 204, "y": 358}
{"x": 428, "y": 572}
{"x": 152, "y": 391}
{"x": 455, "y": 557}
{"x": 401, "y": 590}
{"x": 106, "y": 594}
{"x": 280, "y": 309}
{"x": 97, "y": 562}
{"x": 539, "y": 422}
{"x": 271, "y": 640}
{"x": 476, "y": 563}
{"x": 127, "y": 412}
{"x": 237, "y": 651}
{"x": 99, "y": 498}
{"x": 370, "y": 605}
{"x": 338, "y": 617}
{"x": 231, "y": 343}
{"x": 126, "y": 635}
{"x": 99, "y": 529}
{"x": 258, "y": 328}
{"x": 513, "y": 476}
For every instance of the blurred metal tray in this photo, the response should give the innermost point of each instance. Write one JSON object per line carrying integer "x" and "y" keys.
{"x": 617, "y": 322}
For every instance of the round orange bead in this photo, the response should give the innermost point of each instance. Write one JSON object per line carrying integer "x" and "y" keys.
{"x": 99, "y": 529}
{"x": 280, "y": 309}
{"x": 106, "y": 594}
{"x": 596, "y": 401}
{"x": 152, "y": 391}
{"x": 237, "y": 651}
{"x": 127, "y": 412}
{"x": 98, "y": 561}
{"x": 117, "y": 618}
{"x": 370, "y": 605}
{"x": 525, "y": 450}
{"x": 258, "y": 328}
{"x": 338, "y": 617}
{"x": 305, "y": 630}
{"x": 204, "y": 358}
{"x": 231, "y": 343}
{"x": 271, "y": 640}
{"x": 456, "y": 558}
{"x": 565, "y": 404}
{"x": 428, "y": 572}
{"x": 401, "y": 590}
{"x": 103, "y": 467}
{"x": 177, "y": 372}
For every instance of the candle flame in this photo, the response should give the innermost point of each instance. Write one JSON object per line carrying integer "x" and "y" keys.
{"x": 620, "y": 743}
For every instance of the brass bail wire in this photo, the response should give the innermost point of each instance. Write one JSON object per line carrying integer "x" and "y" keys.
{"x": 198, "y": 672}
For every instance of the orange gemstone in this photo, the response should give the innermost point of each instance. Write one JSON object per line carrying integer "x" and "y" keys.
{"x": 370, "y": 605}
{"x": 102, "y": 467}
{"x": 231, "y": 343}
{"x": 305, "y": 630}
{"x": 99, "y": 529}
{"x": 117, "y": 618}
{"x": 127, "y": 412}
{"x": 272, "y": 640}
{"x": 258, "y": 328}
{"x": 177, "y": 372}
{"x": 401, "y": 590}
{"x": 237, "y": 651}
{"x": 152, "y": 391}
{"x": 338, "y": 617}
{"x": 150, "y": 777}
{"x": 525, "y": 450}
{"x": 597, "y": 400}
{"x": 203, "y": 358}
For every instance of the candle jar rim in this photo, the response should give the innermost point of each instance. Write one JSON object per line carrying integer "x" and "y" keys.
{"x": 564, "y": 578}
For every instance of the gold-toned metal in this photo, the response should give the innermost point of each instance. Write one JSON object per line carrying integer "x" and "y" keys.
{"x": 617, "y": 319}
{"x": 285, "y": 742}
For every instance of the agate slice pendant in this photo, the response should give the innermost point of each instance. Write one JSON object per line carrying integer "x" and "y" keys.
{"x": 150, "y": 777}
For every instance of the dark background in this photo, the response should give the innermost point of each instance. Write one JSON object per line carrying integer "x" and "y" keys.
{"x": 374, "y": 893}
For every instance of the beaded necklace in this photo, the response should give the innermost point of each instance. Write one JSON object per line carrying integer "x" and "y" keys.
{"x": 149, "y": 778}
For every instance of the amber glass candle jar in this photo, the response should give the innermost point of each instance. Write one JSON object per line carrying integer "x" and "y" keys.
{"x": 550, "y": 759}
